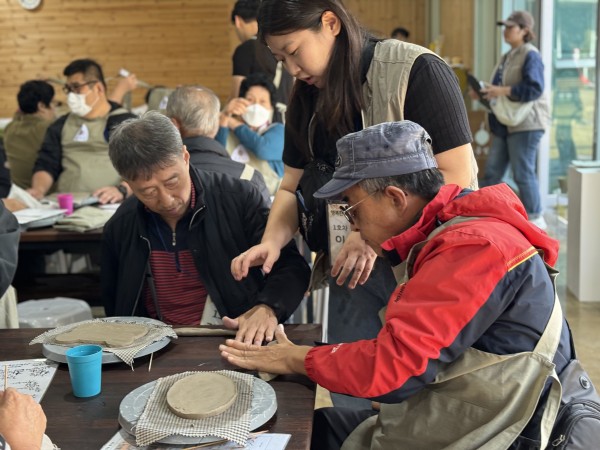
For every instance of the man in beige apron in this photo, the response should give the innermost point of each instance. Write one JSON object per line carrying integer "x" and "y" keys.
{"x": 473, "y": 335}
{"x": 23, "y": 136}
{"x": 74, "y": 154}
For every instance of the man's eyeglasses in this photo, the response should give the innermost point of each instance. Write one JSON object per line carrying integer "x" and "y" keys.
{"x": 76, "y": 87}
{"x": 346, "y": 210}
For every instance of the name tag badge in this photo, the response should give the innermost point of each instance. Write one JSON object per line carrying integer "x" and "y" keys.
{"x": 83, "y": 134}
{"x": 338, "y": 229}
{"x": 163, "y": 102}
{"x": 240, "y": 154}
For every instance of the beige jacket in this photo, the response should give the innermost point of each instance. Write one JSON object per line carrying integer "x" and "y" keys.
{"x": 384, "y": 92}
{"x": 512, "y": 73}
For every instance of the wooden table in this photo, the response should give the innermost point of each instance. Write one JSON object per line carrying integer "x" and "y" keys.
{"x": 51, "y": 239}
{"x": 75, "y": 423}
{"x": 32, "y": 282}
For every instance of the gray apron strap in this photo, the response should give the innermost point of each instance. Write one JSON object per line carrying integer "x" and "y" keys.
{"x": 546, "y": 346}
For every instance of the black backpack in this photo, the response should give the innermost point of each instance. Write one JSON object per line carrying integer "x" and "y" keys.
{"x": 577, "y": 425}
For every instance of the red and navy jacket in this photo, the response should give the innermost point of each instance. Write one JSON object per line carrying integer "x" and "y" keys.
{"x": 480, "y": 283}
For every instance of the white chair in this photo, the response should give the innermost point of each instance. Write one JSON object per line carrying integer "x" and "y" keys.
{"x": 9, "y": 315}
{"x": 53, "y": 312}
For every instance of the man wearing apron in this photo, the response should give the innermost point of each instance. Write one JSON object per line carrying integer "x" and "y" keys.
{"x": 74, "y": 154}
{"x": 473, "y": 331}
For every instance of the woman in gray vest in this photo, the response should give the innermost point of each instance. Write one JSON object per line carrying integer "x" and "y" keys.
{"x": 347, "y": 80}
{"x": 519, "y": 76}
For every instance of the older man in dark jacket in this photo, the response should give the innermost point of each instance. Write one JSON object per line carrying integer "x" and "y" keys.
{"x": 194, "y": 110}
{"x": 167, "y": 251}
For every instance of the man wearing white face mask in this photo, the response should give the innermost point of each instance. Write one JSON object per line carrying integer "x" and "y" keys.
{"x": 74, "y": 154}
{"x": 255, "y": 140}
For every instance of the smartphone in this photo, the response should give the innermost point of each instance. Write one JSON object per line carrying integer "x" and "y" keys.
{"x": 477, "y": 85}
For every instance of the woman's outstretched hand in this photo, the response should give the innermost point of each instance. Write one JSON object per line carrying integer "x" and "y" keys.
{"x": 265, "y": 253}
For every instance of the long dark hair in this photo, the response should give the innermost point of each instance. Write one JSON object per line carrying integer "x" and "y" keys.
{"x": 341, "y": 96}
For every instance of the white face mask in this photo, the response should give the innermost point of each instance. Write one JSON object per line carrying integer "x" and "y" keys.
{"x": 77, "y": 104}
{"x": 257, "y": 115}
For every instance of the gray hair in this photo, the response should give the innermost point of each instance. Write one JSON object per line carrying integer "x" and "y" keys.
{"x": 138, "y": 147}
{"x": 425, "y": 183}
{"x": 196, "y": 108}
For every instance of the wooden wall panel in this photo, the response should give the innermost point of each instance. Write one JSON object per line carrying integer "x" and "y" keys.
{"x": 171, "y": 42}
{"x": 457, "y": 25}
{"x": 166, "y": 42}
{"x": 382, "y": 16}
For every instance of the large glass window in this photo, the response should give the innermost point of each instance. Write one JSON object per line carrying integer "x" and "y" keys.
{"x": 573, "y": 86}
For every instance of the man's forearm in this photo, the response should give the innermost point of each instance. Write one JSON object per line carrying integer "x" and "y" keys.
{"x": 295, "y": 358}
{"x": 41, "y": 182}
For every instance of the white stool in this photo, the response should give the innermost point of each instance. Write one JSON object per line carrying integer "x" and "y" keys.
{"x": 52, "y": 312}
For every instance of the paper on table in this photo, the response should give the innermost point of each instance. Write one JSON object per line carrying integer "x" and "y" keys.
{"x": 267, "y": 441}
{"x": 38, "y": 217}
{"x": 24, "y": 197}
{"x": 30, "y": 376}
{"x": 110, "y": 206}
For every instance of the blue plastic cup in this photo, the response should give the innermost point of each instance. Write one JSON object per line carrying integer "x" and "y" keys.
{"x": 85, "y": 369}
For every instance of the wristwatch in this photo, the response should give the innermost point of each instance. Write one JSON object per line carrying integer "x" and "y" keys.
{"x": 122, "y": 189}
{"x": 3, "y": 444}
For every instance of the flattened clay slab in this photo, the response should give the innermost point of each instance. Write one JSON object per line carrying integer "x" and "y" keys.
{"x": 110, "y": 334}
{"x": 201, "y": 395}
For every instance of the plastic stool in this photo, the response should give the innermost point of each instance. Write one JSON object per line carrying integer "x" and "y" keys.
{"x": 52, "y": 312}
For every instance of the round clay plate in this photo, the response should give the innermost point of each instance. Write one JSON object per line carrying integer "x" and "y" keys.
{"x": 58, "y": 352}
{"x": 264, "y": 406}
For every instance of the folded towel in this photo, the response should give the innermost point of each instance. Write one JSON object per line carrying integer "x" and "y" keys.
{"x": 84, "y": 219}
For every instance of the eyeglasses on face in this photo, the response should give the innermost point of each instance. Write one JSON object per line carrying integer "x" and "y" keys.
{"x": 76, "y": 87}
{"x": 347, "y": 210}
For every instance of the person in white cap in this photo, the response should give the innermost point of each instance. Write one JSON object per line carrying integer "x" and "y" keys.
{"x": 518, "y": 77}
{"x": 474, "y": 290}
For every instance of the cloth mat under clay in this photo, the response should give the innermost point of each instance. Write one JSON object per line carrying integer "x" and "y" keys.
{"x": 126, "y": 354}
{"x": 158, "y": 422}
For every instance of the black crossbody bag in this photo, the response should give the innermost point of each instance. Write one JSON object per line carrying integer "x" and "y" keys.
{"x": 577, "y": 425}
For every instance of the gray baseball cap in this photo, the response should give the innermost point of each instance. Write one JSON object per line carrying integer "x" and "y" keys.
{"x": 520, "y": 18}
{"x": 383, "y": 150}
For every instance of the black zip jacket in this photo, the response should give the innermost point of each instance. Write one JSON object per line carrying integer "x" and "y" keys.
{"x": 229, "y": 217}
{"x": 208, "y": 154}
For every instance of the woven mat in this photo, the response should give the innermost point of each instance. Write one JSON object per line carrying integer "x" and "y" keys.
{"x": 158, "y": 422}
{"x": 126, "y": 354}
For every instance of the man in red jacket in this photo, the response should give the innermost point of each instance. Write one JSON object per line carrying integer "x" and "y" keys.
{"x": 473, "y": 286}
